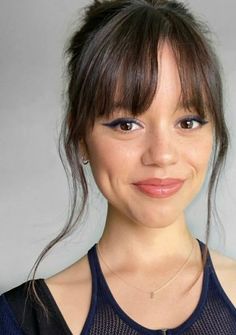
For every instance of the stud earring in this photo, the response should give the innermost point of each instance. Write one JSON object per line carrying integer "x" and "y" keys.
{"x": 85, "y": 161}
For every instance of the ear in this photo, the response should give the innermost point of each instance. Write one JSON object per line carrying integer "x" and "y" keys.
{"x": 83, "y": 152}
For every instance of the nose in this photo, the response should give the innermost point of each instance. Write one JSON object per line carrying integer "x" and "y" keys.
{"x": 161, "y": 149}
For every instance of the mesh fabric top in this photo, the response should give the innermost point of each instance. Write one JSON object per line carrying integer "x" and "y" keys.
{"x": 214, "y": 314}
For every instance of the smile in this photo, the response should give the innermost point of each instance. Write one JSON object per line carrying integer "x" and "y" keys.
{"x": 159, "y": 188}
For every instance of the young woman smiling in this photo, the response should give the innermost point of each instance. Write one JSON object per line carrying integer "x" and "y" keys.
{"x": 145, "y": 110}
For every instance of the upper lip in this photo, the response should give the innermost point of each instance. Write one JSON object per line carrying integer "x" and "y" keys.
{"x": 159, "y": 181}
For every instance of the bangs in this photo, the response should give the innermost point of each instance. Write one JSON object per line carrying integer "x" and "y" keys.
{"x": 120, "y": 67}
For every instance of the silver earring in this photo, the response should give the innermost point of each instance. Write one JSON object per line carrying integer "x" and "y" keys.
{"x": 85, "y": 161}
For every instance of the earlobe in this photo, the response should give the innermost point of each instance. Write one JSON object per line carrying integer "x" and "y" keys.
{"x": 84, "y": 160}
{"x": 83, "y": 152}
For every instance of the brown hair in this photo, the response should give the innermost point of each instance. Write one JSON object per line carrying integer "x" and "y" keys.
{"x": 119, "y": 39}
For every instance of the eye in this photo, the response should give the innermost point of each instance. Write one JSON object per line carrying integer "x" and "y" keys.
{"x": 124, "y": 125}
{"x": 191, "y": 122}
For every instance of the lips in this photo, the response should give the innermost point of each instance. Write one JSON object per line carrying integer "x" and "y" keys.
{"x": 159, "y": 188}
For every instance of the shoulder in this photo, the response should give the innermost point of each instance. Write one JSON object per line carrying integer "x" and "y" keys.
{"x": 71, "y": 290}
{"x": 66, "y": 283}
{"x": 225, "y": 268}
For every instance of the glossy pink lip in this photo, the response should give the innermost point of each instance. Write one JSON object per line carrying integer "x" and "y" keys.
{"x": 159, "y": 188}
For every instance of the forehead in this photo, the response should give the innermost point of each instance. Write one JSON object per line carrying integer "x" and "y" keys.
{"x": 168, "y": 79}
{"x": 130, "y": 81}
{"x": 168, "y": 86}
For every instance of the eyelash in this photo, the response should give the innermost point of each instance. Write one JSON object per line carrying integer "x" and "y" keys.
{"x": 198, "y": 119}
{"x": 118, "y": 122}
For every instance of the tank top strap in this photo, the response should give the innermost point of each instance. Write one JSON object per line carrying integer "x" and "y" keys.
{"x": 94, "y": 294}
{"x": 218, "y": 287}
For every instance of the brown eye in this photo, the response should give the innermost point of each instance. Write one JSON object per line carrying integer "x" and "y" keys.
{"x": 187, "y": 124}
{"x": 126, "y": 126}
{"x": 191, "y": 123}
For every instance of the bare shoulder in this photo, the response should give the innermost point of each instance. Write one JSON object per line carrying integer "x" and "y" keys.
{"x": 71, "y": 290}
{"x": 225, "y": 268}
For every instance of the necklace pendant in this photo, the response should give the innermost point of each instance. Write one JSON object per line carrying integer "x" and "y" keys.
{"x": 152, "y": 295}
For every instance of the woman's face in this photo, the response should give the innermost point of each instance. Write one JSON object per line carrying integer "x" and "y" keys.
{"x": 150, "y": 167}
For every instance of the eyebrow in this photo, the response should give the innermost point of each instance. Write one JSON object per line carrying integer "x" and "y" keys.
{"x": 188, "y": 103}
{"x": 119, "y": 108}
{"x": 118, "y": 105}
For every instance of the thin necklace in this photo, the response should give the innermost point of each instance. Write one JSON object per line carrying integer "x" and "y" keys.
{"x": 154, "y": 292}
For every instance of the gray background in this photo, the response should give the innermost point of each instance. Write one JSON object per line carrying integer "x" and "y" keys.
{"x": 33, "y": 186}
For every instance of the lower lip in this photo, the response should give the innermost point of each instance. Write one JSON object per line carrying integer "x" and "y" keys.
{"x": 159, "y": 191}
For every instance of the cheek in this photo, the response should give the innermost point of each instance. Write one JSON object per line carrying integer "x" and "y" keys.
{"x": 199, "y": 155}
{"x": 105, "y": 150}
{"x": 109, "y": 159}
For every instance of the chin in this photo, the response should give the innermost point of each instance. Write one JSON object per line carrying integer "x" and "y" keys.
{"x": 159, "y": 220}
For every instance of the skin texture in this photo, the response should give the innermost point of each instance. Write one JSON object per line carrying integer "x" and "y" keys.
{"x": 158, "y": 147}
{"x": 151, "y": 231}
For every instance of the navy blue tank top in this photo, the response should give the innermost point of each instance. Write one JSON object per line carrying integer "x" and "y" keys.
{"x": 214, "y": 314}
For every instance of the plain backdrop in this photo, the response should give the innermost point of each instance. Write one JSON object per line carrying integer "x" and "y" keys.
{"x": 33, "y": 185}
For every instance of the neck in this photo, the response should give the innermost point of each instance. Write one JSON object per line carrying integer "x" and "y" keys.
{"x": 144, "y": 245}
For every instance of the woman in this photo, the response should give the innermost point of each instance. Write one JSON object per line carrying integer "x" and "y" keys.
{"x": 145, "y": 111}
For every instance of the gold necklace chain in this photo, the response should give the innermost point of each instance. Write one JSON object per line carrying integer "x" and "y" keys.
{"x": 154, "y": 292}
